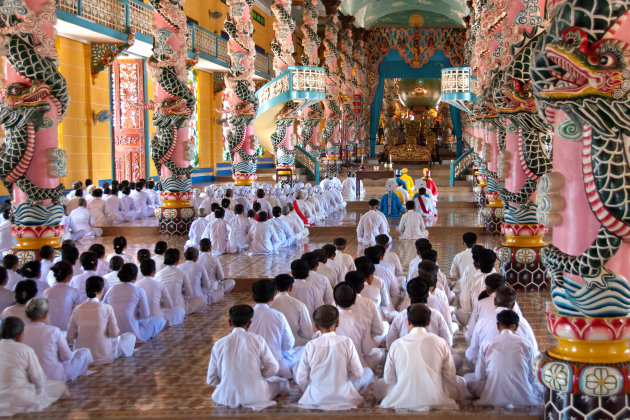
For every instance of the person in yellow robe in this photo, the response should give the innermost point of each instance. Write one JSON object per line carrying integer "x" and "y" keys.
{"x": 408, "y": 180}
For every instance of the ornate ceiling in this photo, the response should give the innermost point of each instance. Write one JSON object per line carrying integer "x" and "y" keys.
{"x": 370, "y": 13}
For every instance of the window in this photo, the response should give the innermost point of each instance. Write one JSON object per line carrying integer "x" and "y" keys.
{"x": 258, "y": 18}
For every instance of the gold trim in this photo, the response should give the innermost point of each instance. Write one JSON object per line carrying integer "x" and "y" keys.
{"x": 176, "y": 204}
{"x": 37, "y": 243}
{"x": 287, "y": 172}
{"x": 244, "y": 182}
{"x": 483, "y": 183}
{"x": 583, "y": 351}
{"x": 495, "y": 203}
{"x": 524, "y": 241}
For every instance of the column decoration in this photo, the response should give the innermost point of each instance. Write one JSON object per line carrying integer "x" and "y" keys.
{"x": 361, "y": 88}
{"x": 346, "y": 78}
{"x": 580, "y": 71}
{"x": 240, "y": 91}
{"x": 311, "y": 116}
{"x": 331, "y": 137}
{"x": 521, "y": 165}
{"x": 34, "y": 101}
{"x": 282, "y": 48}
{"x": 171, "y": 149}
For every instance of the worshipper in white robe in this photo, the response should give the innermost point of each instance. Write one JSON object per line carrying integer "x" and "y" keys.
{"x": 225, "y": 205}
{"x": 243, "y": 355}
{"x": 239, "y": 227}
{"x": 51, "y": 347}
{"x": 6, "y": 296}
{"x": 472, "y": 286}
{"x": 97, "y": 207}
{"x": 154, "y": 198}
{"x": 418, "y": 290}
{"x": 128, "y": 205}
{"x": 111, "y": 278}
{"x": 62, "y": 297}
{"x": 141, "y": 200}
{"x": 24, "y": 291}
{"x": 325, "y": 270}
{"x": 197, "y": 228}
{"x": 331, "y": 252}
{"x": 219, "y": 285}
{"x": 374, "y": 289}
{"x": 158, "y": 251}
{"x": 443, "y": 289}
{"x": 209, "y": 198}
{"x": 11, "y": 262}
{"x": 354, "y": 325}
{"x": 485, "y": 328}
{"x": 371, "y": 224}
{"x": 178, "y": 284}
{"x": 303, "y": 290}
{"x": 317, "y": 280}
{"x": 112, "y": 206}
{"x": 197, "y": 275}
{"x": 345, "y": 261}
{"x": 160, "y": 302}
{"x": 412, "y": 224}
{"x": 503, "y": 374}
{"x": 7, "y": 240}
{"x": 131, "y": 306}
{"x": 419, "y": 371}
{"x": 367, "y": 309}
{"x": 285, "y": 234}
{"x": 120, "y": 244}
{"x": 89, "y": 261}
{"x": 262, "y": 238}
{"x": 32, "y": 271}
{"x": 70, "y": 230}
{"x": 301, "y": 202}
{"x": 218, "y": 232}
{"x": 73, "y": 202}
{"x": 24, "y": 387}
{"x": 294, "y": 221}
{"x": 83, "y": 220}
{"x": 330, "y": 372}
{"x": 196, "y": 199}
{"x": 383, "y": 271}
{"x": 274, "y": 328}
{"x": 264, "y": 203}
{"x": 294, "y": 311}
{"x": 463, "y": 259}
{"x": 349, "y": 187}
{"x": 93, "y": 325}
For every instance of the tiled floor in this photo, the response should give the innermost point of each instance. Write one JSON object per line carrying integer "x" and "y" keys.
{"x": 165, "y": 378}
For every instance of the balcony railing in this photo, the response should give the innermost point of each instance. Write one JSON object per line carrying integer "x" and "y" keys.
{"x": 308, "y": 162}
{"x": 122, "y": 15}
{"x": 459, "y": 166}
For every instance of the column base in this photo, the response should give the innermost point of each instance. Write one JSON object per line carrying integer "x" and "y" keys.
{"x": 492, "y": 220}
{"x": 525, "y": 276}
{"x": 30, "y": 239}
{"x": 174, "y": 221}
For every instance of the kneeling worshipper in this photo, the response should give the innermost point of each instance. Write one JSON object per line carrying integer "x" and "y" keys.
{"x": 24, "y": 387}
{"x": 51, "y": 347}
{"x": 390, "y": 204}
{"x": 242, "y": 366}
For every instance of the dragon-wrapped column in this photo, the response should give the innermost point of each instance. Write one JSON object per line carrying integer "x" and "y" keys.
{"x": 493, "y": 210}
{"x": 241, "y": 103}
{"x": 581, "y": 81}
{"x": 171, "y": 148}
{"x": 347, "y": 81}
{"x": 282, "y": 47}
{"x": 310, "y": 116}
{"x": 34, "y": 101}
{"x": 332, "y": 113}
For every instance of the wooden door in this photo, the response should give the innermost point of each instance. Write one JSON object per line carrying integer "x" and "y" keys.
{"x": 128, "y": 120}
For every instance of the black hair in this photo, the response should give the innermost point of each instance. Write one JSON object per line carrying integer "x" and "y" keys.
{"x": 239, "y": 209}
{"x": 12, "y": 327}
{"x": 367, "y": 268}
{"x": 219, "y": 213}
{"x": 300, "y": 269}
{"x": 410, "y": 205}
{"x": 326, "y": 316}
{"x": 381, "y": 240}
{"x": 321, "y": 255}
{"x": 345, "y": 295}
{"x": 46, "y": 252}
{"x": 418, "y": 289}
{"x": 356, "y": 279}
{"x": 311, "y": 258}
{"x": 276, "y": 211}
{"x": 428, "y": 268}
{"x": 422, "y": 191}
{"x": 61, "y": 270}
{"x": 171, "y": 256}
{"x": 476, "y": 253}
{"x": 418, "y": 314}
{"x": 494, "y": 281}
{"x": 487, "y": 260}
{"x": 470, "y": 239}
{"x": 240, "y": 315}
{"x": 88, "y": 260}
{"x": 88, "y": 182}
{"x": 260, "y": 193}
{"x": 505, "y": 297}
{"x": 374, "y": 253}
{"x": 147, "y": 267}
{"x": 120, "y": 242}
{"x": 191, "y": 253}
{"x": 160, "y": 247}
{"x": 116, "y": 263}
{"x": 143, "y": 254}
{"x": 508, "y": 318}
{"x": 9, "y": 261}
{"x": 263, "y": 291}
{"x": 93, "y": 286}
{"x": 283, "y": 282}
{"x": 251, "y": 213}
{"x": 24, "y": 291}
{"x": 429, "y": 255}
{"x": 422, "y": 244}
{"x": 31, "y": 270}
{"x": 205, "y": 245}
{"x": 97, "y": 193}
{"x": 214, "y": 207}
{"x": 373, "y": 202}
{"x": 78, "y": 192}
{"x": 98, "y": 249}
{"x": 262, "y": 216}
{"x": 330, "y": 249}
{"x": 362, "y": 260}
{"x": 225, "y": 203}
{"x": 4, "y": 275}
{"x": 340, "y": 243}
{"x": 128, "y": 272}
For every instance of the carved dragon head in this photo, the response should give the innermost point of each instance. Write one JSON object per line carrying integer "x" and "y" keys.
{"x": 171, "y": 112}
{"x": 23, "y": 104}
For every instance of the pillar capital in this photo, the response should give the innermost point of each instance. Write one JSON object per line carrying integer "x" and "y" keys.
{"x": 331, "y": 6}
